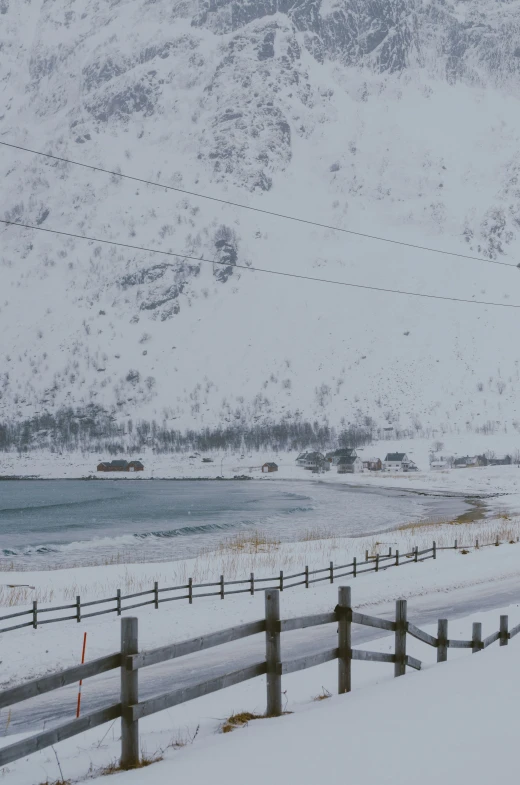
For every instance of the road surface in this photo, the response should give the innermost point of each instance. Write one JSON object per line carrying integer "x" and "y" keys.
{"x": 58, "y": 707}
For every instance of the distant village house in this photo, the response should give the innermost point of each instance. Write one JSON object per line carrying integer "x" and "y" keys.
{"x": 504, "y": 460}
{"x": 269, "y": 467}
{"x": 467, "y": 461}
{"x": 399, "y": 462}
{"x": 350, "y": 465}
{"x": 311, "y": 460}
{"x": 373, "y": 464}
{"x": 120, "y": 466}
{"x": 335, "y": 456}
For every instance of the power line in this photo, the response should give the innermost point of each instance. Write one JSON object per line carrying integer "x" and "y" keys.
{"x": 257, "y": 269}
{"x": 257, "y": 209}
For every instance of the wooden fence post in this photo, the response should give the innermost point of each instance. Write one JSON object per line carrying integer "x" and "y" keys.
{"x": 400, "y": 638}
{"x": 434, "y": 548}
{"x": 281, "y": 580}
{"x": 354, "y": 567}
{"x": 344, "y": 640}
{"x": 78, "y": 609}
{"x": 397, "y": 558}
{"x": 455, "y": 546}
{"x": 118, "y": 602}
{"x": 377, "y": 562}
{"x": 476, "y": 637}
{"x": 504, "y": 630}
{"x": 35, "y": 614}
{"x": 129, "y": 695}
{"x": 416, "y": 553}
{"x": 306, "y": 576}
{"x": 252, "y": 579}
{"x": 366, "y": 556}
{"x": 190, "y": 591}
{"x": 273, "y": 653}
{"x": 442, "y": 635}
{"x": 156, "y": 595}
{"x": 222, "y": 587}
{"x": 331, "y": 571}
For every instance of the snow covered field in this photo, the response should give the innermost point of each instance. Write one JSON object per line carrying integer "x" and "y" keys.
{"x": 471, "y": 698}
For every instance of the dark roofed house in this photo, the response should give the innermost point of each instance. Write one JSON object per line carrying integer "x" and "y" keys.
{"x": 335, "y": 456}
{"x": 350, "y": 465}
{"x": 269, "y": 467}
{"x": 113, "y": 466}
{"x": 467, "y": 460}
{"x": 135, "y": 466}
{"x": 311, "y": 460}
{"x": 119, "y": 466}
{"x": 503, "y": 460}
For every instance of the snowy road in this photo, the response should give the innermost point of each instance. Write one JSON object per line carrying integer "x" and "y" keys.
{"x": 59, "y": 706}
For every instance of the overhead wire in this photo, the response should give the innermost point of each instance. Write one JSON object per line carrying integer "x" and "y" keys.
{"x": 261, "y": 210}
{"x": 257, "y": 269}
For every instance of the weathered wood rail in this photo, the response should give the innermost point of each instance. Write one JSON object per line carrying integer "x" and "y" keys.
{"x": 130, "y": 661}
{"x": 221, "y": 588}
{"x": 157, "y": 595}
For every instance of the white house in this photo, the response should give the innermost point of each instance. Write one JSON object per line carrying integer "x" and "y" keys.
{"x": 399, "y": 462}
{"x": 311, "y": 460}
{"x": 350, "y": 465}
{"x": 465, "y": 461}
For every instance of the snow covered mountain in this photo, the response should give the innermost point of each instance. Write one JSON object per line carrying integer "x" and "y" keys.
{"x": 397, "y": 118}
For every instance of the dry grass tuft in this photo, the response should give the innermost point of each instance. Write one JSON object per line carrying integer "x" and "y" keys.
{"x": 323, "y": 695}
{"x": 182, "y": 739}
{"x": 311, "y": 535}
{"x": 254, "y": 542}
{"x": 262, "y": 552}
{"x": 239, "y": 721}
{"x": 56, "y": 782}
{"x": 115, "y": 766}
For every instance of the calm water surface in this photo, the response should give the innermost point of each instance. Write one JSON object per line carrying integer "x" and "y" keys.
{"x": 64, "y": 522}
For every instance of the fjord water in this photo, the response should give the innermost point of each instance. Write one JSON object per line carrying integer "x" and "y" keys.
{"x": 56, "y": 523}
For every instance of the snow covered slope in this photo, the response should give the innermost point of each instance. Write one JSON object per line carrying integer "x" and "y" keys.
{"x": 392, "y": 117}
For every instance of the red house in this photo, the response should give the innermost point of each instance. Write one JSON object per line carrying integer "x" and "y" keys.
{"x": 120, "y": 466}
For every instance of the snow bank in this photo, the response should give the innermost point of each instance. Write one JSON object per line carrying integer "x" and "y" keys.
{"x": 453, "y": 723}
{"x": 444, "y": 723}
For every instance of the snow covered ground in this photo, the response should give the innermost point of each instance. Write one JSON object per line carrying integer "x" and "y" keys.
{"x": 471, "y": 698}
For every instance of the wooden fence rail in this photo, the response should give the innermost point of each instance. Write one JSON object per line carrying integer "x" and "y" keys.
{"x": 251, "y": 584}
{"x": 78, "y": 611}
{"x": 129, "y": 661}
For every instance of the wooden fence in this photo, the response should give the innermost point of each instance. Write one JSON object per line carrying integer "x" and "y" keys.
{"x": 221, "y": 588}
{"x": 130, "y": 661}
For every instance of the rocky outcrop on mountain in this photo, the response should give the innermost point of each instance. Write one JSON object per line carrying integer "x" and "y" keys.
{"x": 394, "y": 118}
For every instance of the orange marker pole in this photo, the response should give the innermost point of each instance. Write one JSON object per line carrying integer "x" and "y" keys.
{"x": 81, "y": 681}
